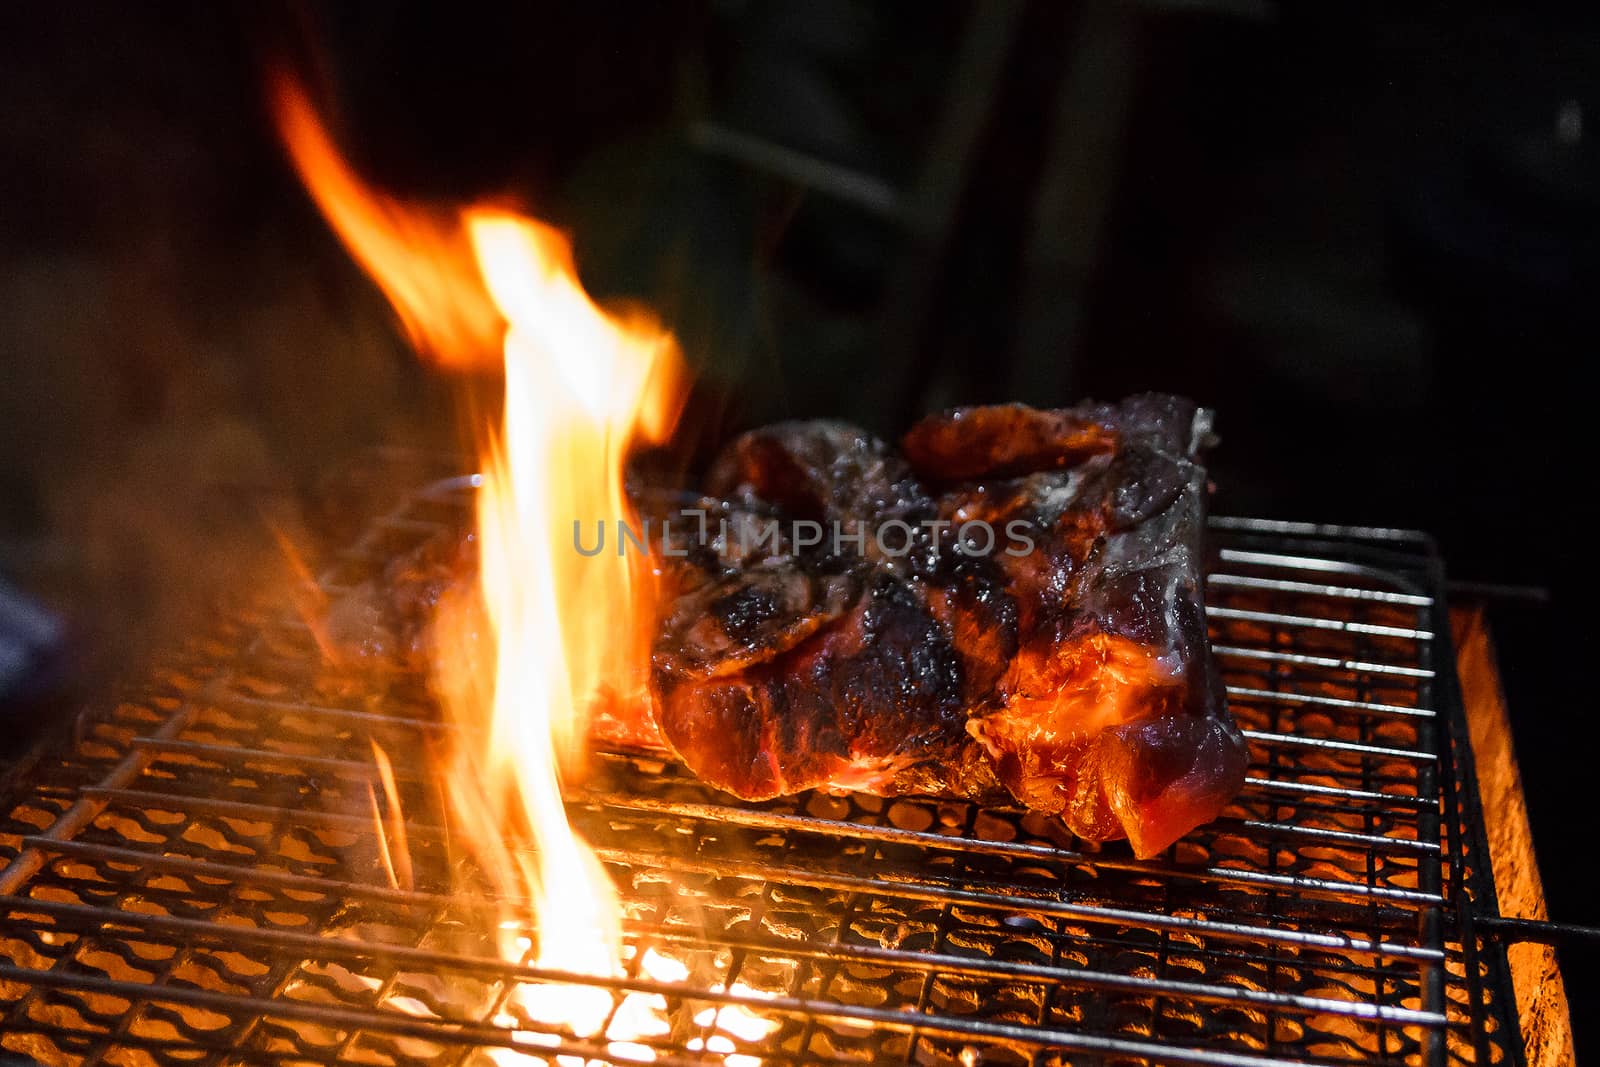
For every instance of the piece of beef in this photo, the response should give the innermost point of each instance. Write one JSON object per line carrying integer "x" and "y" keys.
{"x": 1076, "y": 652}
{"x": 861, "y": 699}
{"x": 751, "y": 616}
{"x": 386, "y": 622}
{"x": 820, "y": 470}
{"x": 1112, "y": 712}
{"x": 1065, "y": 666}
{"x": 1002, "y": 439}
{"x": 820, "y": 661}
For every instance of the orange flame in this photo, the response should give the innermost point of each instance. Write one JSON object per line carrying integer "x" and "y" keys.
{"x": 396, "y": 862}
{"x": 582, "y": 386}
{"x": 420, "y": 258}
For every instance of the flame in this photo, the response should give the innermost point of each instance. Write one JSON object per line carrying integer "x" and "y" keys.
{"x": 420, "y": 258}
{"x": 396, "y": 861}
{"x": 583, "y": 385}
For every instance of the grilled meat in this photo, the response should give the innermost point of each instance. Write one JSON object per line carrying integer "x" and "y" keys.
{"x": 1003, "y": 439}
{"x": 1068, "y": 666}
{"x": 1111, "y": 713}
{"x": 751, "y": 616}
{"x": 1032, "y": 631}
{"x": 821, "y": 471}
{"x": 387, "y": 622}
{"x": 858, "y": 700}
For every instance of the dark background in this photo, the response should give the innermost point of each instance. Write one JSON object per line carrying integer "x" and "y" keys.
{"x": 1363, "y": 232}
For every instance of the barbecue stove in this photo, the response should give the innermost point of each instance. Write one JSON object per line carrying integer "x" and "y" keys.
{"x": 200, "y": 875}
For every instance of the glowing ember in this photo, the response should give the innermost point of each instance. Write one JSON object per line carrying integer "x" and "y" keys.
{"x": 582, "y": 386}
{"x": 735, "y": 1019}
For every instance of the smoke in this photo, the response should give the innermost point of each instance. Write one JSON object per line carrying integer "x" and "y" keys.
{"x": 184, "y": 349}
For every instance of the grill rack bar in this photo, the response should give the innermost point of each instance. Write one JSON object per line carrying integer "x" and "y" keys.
{"x": 364, "y": 769}
{"x": 1290, "y": 697}
{"x": 1326, "y": 662}
{"x": 929, "y": 891}
{"x": 752, "y": 817}
{"x": 79, "y": 917}
{"x": 423, "y": 900}
{"x": 362, "y": 824}
{"x": 1311, "y": 622}
{"x": 1423, "y": 954}
{"x": 480, "y": 1035}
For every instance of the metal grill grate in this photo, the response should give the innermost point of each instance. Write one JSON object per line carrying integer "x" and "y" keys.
{"x": 198, "y": 881}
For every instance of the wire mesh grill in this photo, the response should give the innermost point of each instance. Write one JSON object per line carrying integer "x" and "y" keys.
{"x": 198, "y": 878}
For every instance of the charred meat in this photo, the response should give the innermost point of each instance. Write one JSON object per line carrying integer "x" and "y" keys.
{"x": 1066, "y": 667}
{"x": 1006, "y": 609}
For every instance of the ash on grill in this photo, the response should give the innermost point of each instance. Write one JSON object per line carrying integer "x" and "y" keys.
{"x": 202, "y": 879}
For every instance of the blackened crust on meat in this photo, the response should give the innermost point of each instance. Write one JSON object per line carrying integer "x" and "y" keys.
{"x": 852, "y": 706}
{"x": 969, "y": 595}
{"x": 743, "y": 618}
{"x": 817, "y": 470}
